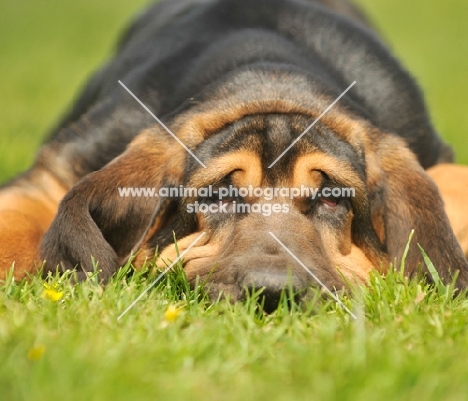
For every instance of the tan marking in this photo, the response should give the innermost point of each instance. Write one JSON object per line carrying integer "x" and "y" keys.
{"x": 353, "y": 130}
{"x": 452, "y": 181}
{"x": 169, "y": 253}
{"x": 337, "y": 170}
{"x": 201, "y": 125}
{"x": 302, "y": 175}
{"x": 38, "y": 198}
{"x": 347, "y": 257}
{"x": 26, "y": 211}
{"x": 144, "y": 255}
{"x": 20, "y": 237}
{"x": 246, "y": 164}
{"x": 198, "y": 126}
{"x": 378, "y": 224}
{"x": 354, "y": 266}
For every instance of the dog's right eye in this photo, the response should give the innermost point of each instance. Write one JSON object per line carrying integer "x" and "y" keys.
{"x": 326, "y": 204}
{"x": 333, "y": 204}
{"x": 330, "y": 203}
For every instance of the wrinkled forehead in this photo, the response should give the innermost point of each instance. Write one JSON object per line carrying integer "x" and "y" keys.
{"x": 252, "y": 144}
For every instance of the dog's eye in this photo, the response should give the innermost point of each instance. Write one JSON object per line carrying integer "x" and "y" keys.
{"x": 217, "y": 197}
{"x": 333, "y": 196}
{"x": 330, "y": 203}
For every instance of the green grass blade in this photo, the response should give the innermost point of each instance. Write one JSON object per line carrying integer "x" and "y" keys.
{"x": 442, "y": 289}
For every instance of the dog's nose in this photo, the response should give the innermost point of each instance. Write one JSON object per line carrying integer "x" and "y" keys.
{"x": 273, "y": 284}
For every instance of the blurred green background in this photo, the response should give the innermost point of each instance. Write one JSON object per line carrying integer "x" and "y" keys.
{"x": 48, "y": 49}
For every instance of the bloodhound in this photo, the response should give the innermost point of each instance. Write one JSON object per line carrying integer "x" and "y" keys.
{"x": 241, "y": 84}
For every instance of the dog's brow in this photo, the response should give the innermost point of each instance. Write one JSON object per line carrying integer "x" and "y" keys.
{"x": 338, "y": 170}
{"x": 243, "y": 160}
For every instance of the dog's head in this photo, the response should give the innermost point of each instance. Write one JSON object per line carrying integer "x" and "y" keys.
{"x": 366, "y": 193}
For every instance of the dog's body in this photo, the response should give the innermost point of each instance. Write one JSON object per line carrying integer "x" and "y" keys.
{"x": 237, "y": 81}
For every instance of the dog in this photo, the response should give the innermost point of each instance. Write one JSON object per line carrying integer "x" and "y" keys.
{"x": 246, "y": 88}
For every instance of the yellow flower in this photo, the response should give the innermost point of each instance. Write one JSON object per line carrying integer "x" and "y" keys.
{"x": 36, "y": 353}
{"x": 52, "y": 295}
{"x": 172, "y": 313}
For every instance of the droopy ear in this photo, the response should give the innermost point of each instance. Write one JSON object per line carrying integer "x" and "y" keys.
{"x": 95, "y": 221}
{"x": 408, "y": 199}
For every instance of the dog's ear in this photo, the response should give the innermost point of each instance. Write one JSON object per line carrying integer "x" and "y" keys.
{"x": 403, "y": 198}
{"x": 97, "y": 219}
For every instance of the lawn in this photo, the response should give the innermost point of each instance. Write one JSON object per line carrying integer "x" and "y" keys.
{"x": 63, "y": 341}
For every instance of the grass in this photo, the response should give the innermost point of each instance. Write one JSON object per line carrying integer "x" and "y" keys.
{"x": 63, "y": 341}
{"x": 48, "y": 52}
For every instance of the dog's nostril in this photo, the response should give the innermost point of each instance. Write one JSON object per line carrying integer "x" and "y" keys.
{"x": 273, "y": 285}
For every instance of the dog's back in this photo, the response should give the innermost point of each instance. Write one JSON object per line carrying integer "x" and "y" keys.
{"x": 176, "y": 50}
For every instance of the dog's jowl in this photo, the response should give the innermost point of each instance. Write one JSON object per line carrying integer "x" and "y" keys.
{"x": 241, "y": 84}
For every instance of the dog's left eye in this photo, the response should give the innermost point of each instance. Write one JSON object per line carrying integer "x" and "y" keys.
{"x": 217, "y": 197}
